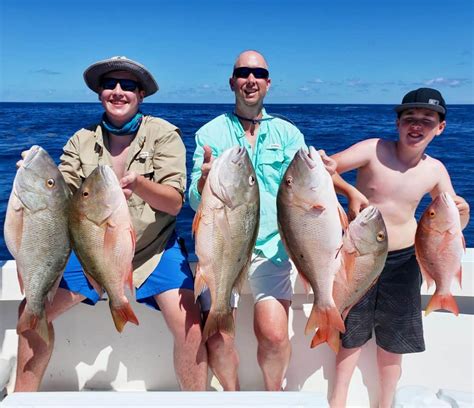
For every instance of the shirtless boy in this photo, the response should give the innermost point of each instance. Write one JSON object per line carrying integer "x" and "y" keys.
{"x": 394, "y": 176}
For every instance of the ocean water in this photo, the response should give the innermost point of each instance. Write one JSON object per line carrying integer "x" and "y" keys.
{"x": 329, "y": 127}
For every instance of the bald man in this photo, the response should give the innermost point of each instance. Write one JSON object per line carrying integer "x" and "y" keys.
{"x": 271, "y": 143}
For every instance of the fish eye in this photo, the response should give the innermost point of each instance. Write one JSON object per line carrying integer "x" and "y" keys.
{"x": 380, "y": 236}
{"x": 432, "y": 213}
{"x": 289, "y": 180}
{"x": 85, "y": 194}
{"x": 50, "y": 183}
{"x": 251, "y": 180}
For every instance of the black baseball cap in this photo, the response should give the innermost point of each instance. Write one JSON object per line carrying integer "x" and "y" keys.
{"x": 427, "y": 98}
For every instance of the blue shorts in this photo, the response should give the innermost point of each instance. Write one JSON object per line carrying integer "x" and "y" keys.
{"x": 172, "y": 272}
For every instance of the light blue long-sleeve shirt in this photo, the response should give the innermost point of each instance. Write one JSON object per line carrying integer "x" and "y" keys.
{"x": 276, "y": 144}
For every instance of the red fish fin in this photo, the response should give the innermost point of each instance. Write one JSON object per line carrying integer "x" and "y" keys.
{"x": 342, "y": 217}
{"x": 348, "y": 263}
{"x": 218, "y": 322}
{"x": 445, "y": 302}
{"x": 122, "y": 315}
{"x": 199, "y": 283}
{"x": 426, "y": 276}
{"x": 324, "y": 319}
{"x": 459, "y": 276}
{"x": 446, "y": 242}
{"x": 196, "y": 221}
{"x": 328, "y": 335}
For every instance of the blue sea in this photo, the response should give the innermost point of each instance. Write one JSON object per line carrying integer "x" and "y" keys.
{"x": 329, "y": 127}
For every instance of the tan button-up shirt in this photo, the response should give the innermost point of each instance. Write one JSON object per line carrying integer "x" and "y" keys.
{"x": 157, "y": 153}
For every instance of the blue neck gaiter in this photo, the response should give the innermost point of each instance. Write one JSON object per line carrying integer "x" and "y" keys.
{"x": 128, "y": 128}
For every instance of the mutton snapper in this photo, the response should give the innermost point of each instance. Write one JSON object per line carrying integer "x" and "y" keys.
{"x": 365, "y": 241}
{"x": 36, "y": 234}
{"x": 226, "y": 227}
{"x": 311, "y": 220}
{"x": 439, "y": 246}
{"x": 104, "y": 239}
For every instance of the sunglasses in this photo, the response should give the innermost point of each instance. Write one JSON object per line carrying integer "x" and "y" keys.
{"x": 244, "y": 72}
{"x": 126, "y": 84}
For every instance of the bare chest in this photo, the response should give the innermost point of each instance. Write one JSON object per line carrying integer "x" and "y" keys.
{"x": 119, "y": 157}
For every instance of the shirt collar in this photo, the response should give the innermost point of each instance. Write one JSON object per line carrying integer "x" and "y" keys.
{"x": 263, "y": 125}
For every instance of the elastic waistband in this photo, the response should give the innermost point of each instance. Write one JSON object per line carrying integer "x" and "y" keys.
{"x": 404, "y": 251}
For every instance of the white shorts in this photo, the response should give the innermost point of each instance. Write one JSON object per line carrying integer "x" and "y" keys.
{"x": 266, "y": 281}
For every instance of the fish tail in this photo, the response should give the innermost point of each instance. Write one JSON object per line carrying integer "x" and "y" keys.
{"x": 29, "y": 321}
{"x": 326, "y": 334}
{"x": 323, "y": 318}
{"x": 218, "y": 322}
{"x": 123, "y": 314}
{"x": 445, "y": 302}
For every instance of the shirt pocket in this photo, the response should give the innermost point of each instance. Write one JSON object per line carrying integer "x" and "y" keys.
{"x": 271, "y": 162}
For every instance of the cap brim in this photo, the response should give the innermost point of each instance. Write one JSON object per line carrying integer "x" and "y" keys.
{"x": 93, "y": 74}
{"x": 430, "y": 106}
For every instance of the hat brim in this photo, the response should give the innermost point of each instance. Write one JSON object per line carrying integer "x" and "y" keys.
{"x": 430, "y": 106}
{"x": 94, "y": 73}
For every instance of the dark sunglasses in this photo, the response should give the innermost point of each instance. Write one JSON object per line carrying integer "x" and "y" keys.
{"x": 126, "y": 84}
{"x": 244, "y": 72}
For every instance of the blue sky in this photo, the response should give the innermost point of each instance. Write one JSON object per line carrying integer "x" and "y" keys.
{"x": 325, "y": 51}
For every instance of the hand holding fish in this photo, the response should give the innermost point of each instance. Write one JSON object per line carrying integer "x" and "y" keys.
{"x": 206, "y": 167}
{"x": 329, "y": 164}
{"x": 128, "y": 183}
{"x": 463, "y": 208}
{"x": 356, "y": 203}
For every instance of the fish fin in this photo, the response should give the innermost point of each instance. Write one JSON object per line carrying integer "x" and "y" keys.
{"x": 426, "y": 276}
{"x": 342, "y": 217}
{"x": 445, "y": 302}
{"x": 306, "y": 284}
{"x": 218, "y": 322}
{"x": 29, "y": 321}
{"x": 54, "y": 288}
{"x": 329, "y": 335}
{"x": 447, "y": 239}
{"x": 323, "y": 318}
{"x": 222, "y": 222}
{"x": 199, "y": 283}
{"x": 196, "y": 220}
{"x": 318, "y": 207}
{"x": 459, "y": 276}
{"x": 20, "y": 281}
{"x": 123, "y": 314}
{"x": 13, "y": 226}
{"x": 348, "y": 263}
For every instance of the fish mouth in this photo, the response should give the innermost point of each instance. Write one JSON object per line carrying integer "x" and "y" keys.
{"x": 32, "y": 154}
{"x": 368, "y": 214}
{"x": 308, "y": 158}
{"x": 446, "y": 199}
{"x": 106, "y": 173}
{"x": 238, "y": 154}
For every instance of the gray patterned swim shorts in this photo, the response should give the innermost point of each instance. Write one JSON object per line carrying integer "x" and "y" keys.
{"x": 392, "y": 308}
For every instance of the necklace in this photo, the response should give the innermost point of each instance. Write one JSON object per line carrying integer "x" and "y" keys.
{"x": 253, "y": 121}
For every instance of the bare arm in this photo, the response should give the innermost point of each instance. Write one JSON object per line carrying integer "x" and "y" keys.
{"x": 352, "y": 158}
